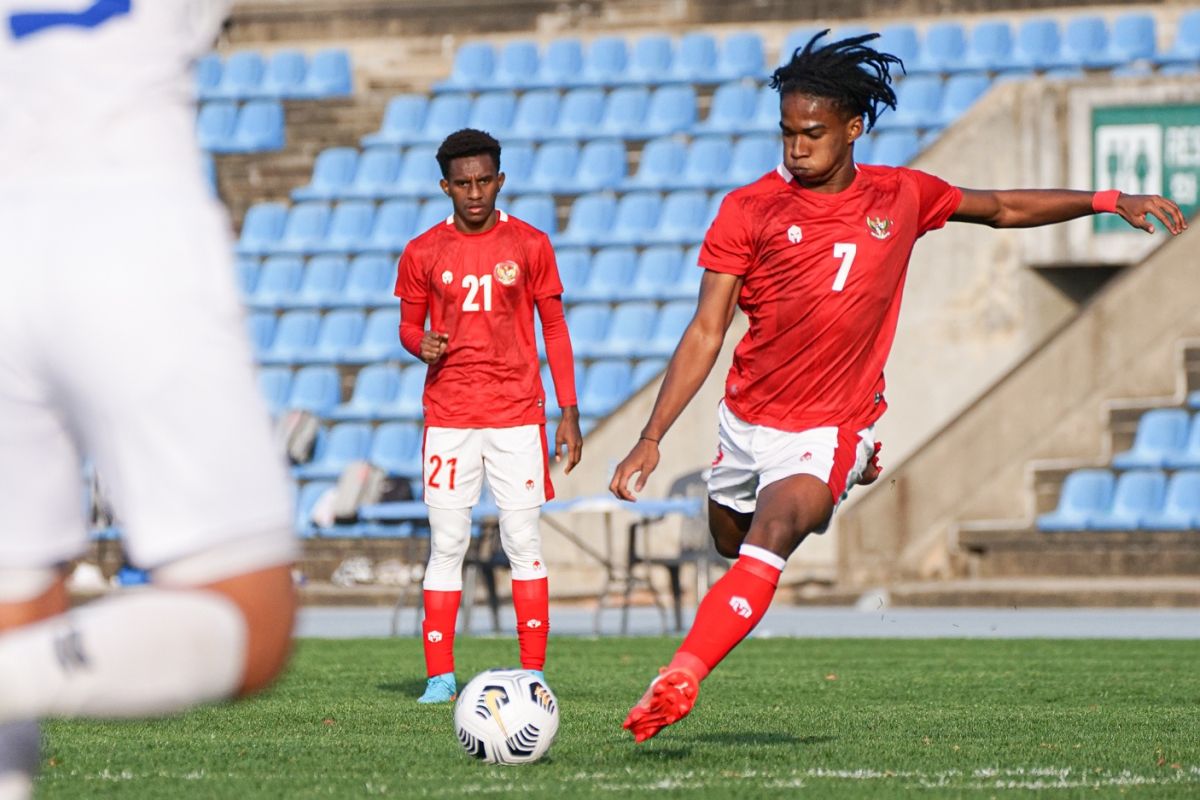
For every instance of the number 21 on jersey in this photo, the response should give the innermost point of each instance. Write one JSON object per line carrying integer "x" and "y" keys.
{"x": 475, "y": 287}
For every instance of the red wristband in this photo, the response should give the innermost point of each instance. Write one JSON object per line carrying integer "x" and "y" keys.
{"x": 1105, "y": 201}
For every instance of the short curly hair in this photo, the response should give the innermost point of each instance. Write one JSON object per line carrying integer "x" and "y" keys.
{"x": 464, "y": 144}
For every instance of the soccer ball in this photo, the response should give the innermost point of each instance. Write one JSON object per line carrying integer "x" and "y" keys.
{"x": 506, "y": 716}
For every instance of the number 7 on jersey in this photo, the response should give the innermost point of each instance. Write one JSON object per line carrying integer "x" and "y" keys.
{"x": 845, "y": 251}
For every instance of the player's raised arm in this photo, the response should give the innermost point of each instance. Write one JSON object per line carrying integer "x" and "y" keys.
{"x": 690, "y": 364}
{"x": 1029, "y": 208}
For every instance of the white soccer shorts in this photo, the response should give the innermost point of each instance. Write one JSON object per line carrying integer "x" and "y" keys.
{"x": 515, "y": 461}
{"x": 751, "y": 457}
{"x": 122, "y": 338}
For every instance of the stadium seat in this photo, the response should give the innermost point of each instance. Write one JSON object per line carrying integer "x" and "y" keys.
{"x": 1036, "y": 47}
{"x": 493, "y": 112}
{"x": 396, "y": 449}
{"x": 434, "y": 211}
{"x": 961, "y": 92}
{"x": 1085, "y": 44}
{"x": 403, "y": 120}
{"x": 707, "y": 164}
{"x": 407, "y": 403}
{"x": 1138, "y": 494}
{"x": 322, "y": 285}
{"x": 562, "y": 63}
{"x": 274, "y": 383}
{"x": 682, "y": 220}
{"x": 741, "y": 56}
{"x": 687, "y": 286}
{"x": 516, "y": 163}
{"x": 349, "y": 227}
{"x": 943, "y": 51}
{"x": 612, "y": 270}
{"x": 380, "y": 340}
{"x": 538, "y": 210}
{"x": 371, "y": 279}
{"x": 579, "y": 115}
{"x": 574, "y": 266}
{"x": 516, "y": 63}
{"x": 629, "y": 329}
{"x": 673, "y": 319}
{"x": 284, "y": 75}
{"x": 376, "y": 174}
{"x": 645, "y": 371}
{"x": 1193, "y": 400}
{"x": 306, "y": 500}
{"x": 240, "y": 77}
{"x": 894, "y": 148}
{"x": 246, "y": 274}
{"x": 474, "y": 63}
{"x": 343, "y": 443}
{"x": 375, "y": 386}
{"x": 732, "y": 105}
{"x": 215, "y": 125}
{"x": 295, "y": 336}
{"x": 605, "y": 63}
{"x": 766, "y": 113}
{"x": 661, "y": 161}
{"x": 606, "y": 385}
{"x": 601, "y": 166}
{"x": 1185, "y": 48}
{"x": 918, "y": 104}
{"x": 588, "y": 323}
{"x": 261, "y": 228}
{"x": 990, "y": 45}
{"x": 1161, "y": 433}
{"x": 695, "y": 60}
{"x": 624, "y": 114}
{"x": 1181, "y": 506}
{"x": 447, "y": 113}
{"x": 536, "y": 115}
{"x": 315, "y": 389}
{"x": 419, "y": 174}
{"x": 650, "y": 62}
{"x": 395, "y": 224}
{"x": 340, "y": 333}
{"x": 590, "y": 220}
{"x": 752, "y": 157}
{"x": 278, "y": 281}
{"x": 333, "y": 172}
{"x": 1134, "y": 39}
{"x": 1085, "y": 492}
{"x": 260, "y": 330}
{"x": 305, "y": 228}
{"x": 672, "y": 110}
{"x": 657, "y": 272}
{"x": 796, "y": 39}
{"x": 554, "y": 166}
{"x": 1188, "y": 457}
{"x": 714, "y": 207}
{"x": 901, "y": 41}
{"x": 260, "y": 127}
{"x": 209, "y": 167}
{"x": 635, "y": 219}
{"x": 208, "y": 76}
{"x": 329, "y": 75}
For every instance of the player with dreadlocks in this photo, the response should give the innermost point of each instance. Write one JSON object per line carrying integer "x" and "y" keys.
{"x": 815, "y": 253}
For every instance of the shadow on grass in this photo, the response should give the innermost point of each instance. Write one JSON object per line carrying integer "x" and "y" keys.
{"x": 760, "y": 738}
{"x": 413, "y": 687}
{"x": 672, "y": 752}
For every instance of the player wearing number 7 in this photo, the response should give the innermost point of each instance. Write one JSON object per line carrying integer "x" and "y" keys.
{"x": 815, "y": 253}
{"x": 478, "y": 276}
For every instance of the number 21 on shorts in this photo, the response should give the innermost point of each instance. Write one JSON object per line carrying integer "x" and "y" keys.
{"x": 435, "y": 472}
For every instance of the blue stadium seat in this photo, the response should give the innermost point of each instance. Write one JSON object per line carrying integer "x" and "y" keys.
{"x": 284, "y": 75}
{"x": 208, "y": 76}
{"x": 493, "y": 112}
{"x": 340, "y": 333}
{"x": 796, "y": 38}
{"x": 554, "y": 167}
{"x": 371, "y": 278}
{"x": 343, "y": 443}
{"x": 260, "y": 330}
{"x": 624, "y": 113}
{"x": 741, "y": 56}
{"x": 474, "y": 63}
{"x": 650, "y": 62}
{"x": 1189, "y": 456}
{"x": 209, "y": 167}
{"x": 606, "y": 385}
{"x": 260, "y": 127}
{"x": 894, "y": 148}
{"x": 960, "y": 93}
{"x": 380, "y": 340}
{"x": 1161, "y": 433}
{"x": 536, "y": 115}
{"x": 434, "y": 211}
{"x": 766, "y": 113}
{"x": 562, "y": 63}
{"x": 682, "y": 220}
{"x": 261, "y": 228}
{"x": 305, "y": 228}
{"x": 403, "y": 120}
{"x": 645, "y": 371}
{"x": 396, "y": 449}
{"x": 944, "y": 50}
{"x": 918, "y": 104}
{"x": 989, "y": 46}
{"x": 349, "y": 227}
{"x": 1134, "y": 39}
{"x": 306, "y": 500}
{"x": 1193, "y": 400}
{"x": 605, "y": 63}
{"x": 295, "y": 336}
{"x": 661, "y": 161}
{"x": 590, "y": 220}
{"x": 376, "y": 174}
{"x": 552, "y": 410}
{"x": 752, "y": 157}
{"x": 408, "y": 401}
{"x": 538, "y": 210}
{"x": 574, "y": 266}
{"x": 274, "y": 383}
{"x": 1181, "y": 507}
{"x": 246, "y": 274}
{"x": 333, "y": 172}
{"x": 657, "y": 272}
{"x": 588, "y": 323}
{"x": 278, "y": 281}
{"x": 516, "y": 64}
{"x": 579, "y": 116}
{"x": 1138, "y": 494}
{"x": 732, "y": 104}
{"x": 601, "y": 166}
{"x": 1085, "y": 44}
{"x": 516, "y": 163}
{"x": 630, "y": 328}
{"x": 687, "y": 287}
{"x": 395, "y": 224}
{"x": 1185, "y": 48}
{"x": 447, "y": 113}
{"x": 315, "y": 389}
{"x": 418, "y": 175}
{"x": 375, "y": 386}
{"x": 672, "y": 110}
{"x": 215, "y": 125}
{"x": 696, "y": 59}
{"x": 635, "y": 219}
{"x": 707, "y": 165}
{"x": 1036, "y": 47}
{"x": 864, "y": 147}
{"x": 1085, "y": 492}
{"x": 322, "y": 285}
{"x": 673, "y": 319}
{"x": 900, "y": 40}
{"x": 240, "y": 77}
{"x": 612, "y": 270}
{"x": 714, "y": 207}
{"x": 329, "y": 75}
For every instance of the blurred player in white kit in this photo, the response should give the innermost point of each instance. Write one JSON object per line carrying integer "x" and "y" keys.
{"x": 121, "y": 338}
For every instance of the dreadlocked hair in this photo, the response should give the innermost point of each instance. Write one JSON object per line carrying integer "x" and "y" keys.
{"x": 855, "y": 77}
{"x": 464, "y": 144}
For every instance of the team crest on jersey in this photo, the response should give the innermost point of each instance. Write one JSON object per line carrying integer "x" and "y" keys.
{"x": 795, "y": 234}
{"x": 447, "y": 277}
{"x": 507, "y": 272}
{"x": 880, "y": 227}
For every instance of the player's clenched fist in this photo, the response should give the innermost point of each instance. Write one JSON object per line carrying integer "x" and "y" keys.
{"x": 433, "y": 346}
{"x": 641, "y": 461}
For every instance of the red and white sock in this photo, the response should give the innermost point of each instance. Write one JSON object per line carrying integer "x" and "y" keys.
{"x": 531, "y": 601}
{"x": 730, "y": 610}
{"x": 437, "y": 630}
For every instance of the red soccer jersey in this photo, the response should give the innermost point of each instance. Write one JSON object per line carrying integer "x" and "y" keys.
{"x": 822, "y": 279}
{"x": 481, "y": 289}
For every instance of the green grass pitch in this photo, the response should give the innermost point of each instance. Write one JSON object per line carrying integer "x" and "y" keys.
{"x": 780, "y": 718}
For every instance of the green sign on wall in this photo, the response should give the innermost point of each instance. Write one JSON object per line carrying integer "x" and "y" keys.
{"x": 1146, "y": 150}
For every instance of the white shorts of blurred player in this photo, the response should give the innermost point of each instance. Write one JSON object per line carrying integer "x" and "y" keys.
{"x": 751, "y": 457}
{"x": 514, "y": 460}
{"x": 122, "y": 338}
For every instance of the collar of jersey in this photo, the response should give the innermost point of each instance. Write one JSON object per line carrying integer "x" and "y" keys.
{"x": 503, "y": 217}
{"x": 821, "y": 197}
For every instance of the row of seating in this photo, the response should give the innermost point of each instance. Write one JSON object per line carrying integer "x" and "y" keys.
{"x": 1165, "y": 437}
{"x": 1141, "y": 499}
{"x": 286, "y": 74}
{"x": 254, "y": 127}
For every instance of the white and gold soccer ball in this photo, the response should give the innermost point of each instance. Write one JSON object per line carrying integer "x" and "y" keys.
{"x": 506, "y": 716}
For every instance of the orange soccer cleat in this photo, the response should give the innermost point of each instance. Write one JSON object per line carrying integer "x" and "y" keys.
{"x": 671, "y": 696}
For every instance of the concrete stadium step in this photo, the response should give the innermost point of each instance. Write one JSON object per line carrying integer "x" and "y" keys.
{"x": 1011, "y": 553}
{"x": 1052, "y": 592}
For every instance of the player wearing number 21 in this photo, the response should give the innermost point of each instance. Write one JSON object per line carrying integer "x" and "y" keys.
{"x": 477, "y": 277}
{"x": 815, "y": 253}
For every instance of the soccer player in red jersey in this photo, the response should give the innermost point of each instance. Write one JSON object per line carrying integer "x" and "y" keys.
{"x": 815, "y": 253}
{"x": 477, "y": 277}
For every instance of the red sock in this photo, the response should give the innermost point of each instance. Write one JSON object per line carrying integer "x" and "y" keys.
{"x": 437, "y": 631}
{"x": 730, "y": 610}
{"x": 531, "y": 601}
